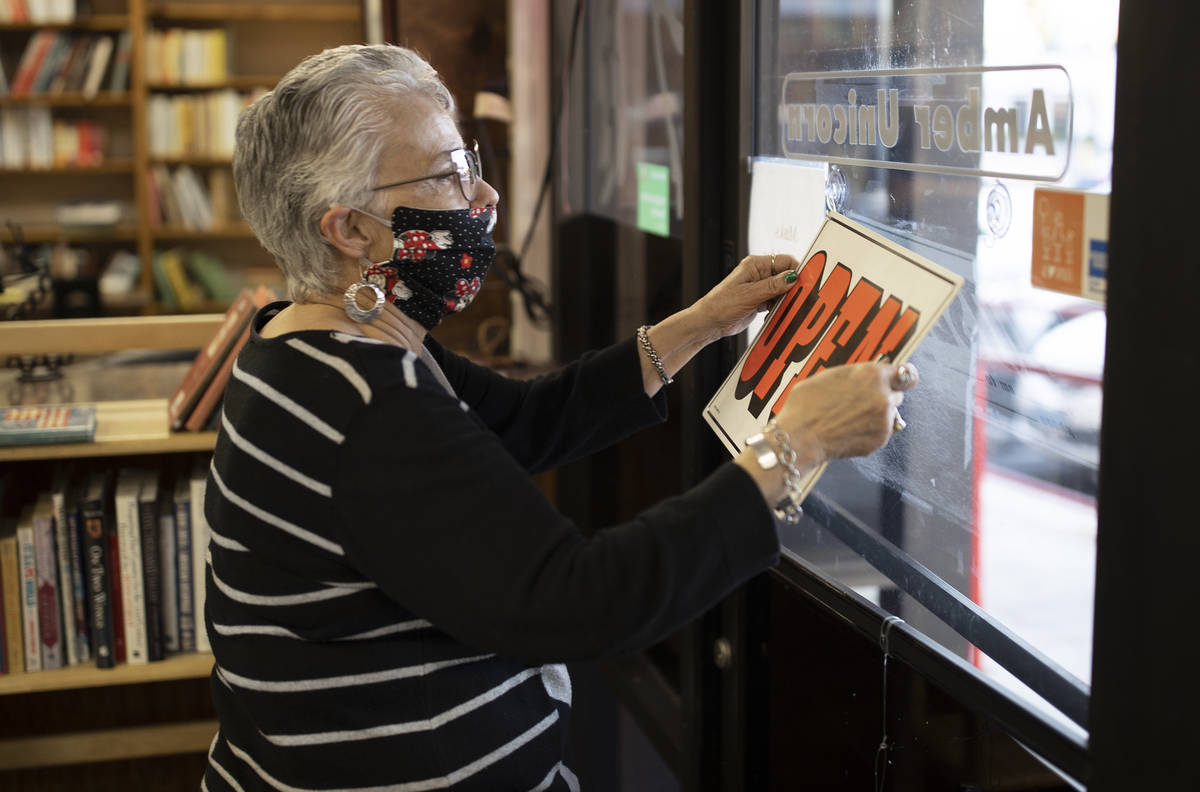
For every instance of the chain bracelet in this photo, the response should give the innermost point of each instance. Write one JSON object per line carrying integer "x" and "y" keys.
{"x": 787, "y": 509}
{"x": 644, "y": 340}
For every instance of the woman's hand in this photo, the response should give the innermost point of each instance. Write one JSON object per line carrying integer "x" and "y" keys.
{"x": 730, "y": 306}
{"x": 846, "y": 410}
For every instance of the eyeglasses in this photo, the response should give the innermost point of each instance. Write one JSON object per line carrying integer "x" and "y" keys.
{"x": 466, "y": 165}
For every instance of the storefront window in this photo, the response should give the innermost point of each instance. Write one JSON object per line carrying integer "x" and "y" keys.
{"x": 983, "y": 142}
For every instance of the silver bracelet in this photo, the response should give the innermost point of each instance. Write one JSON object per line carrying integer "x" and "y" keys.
{"x": 644, "y": 340}
{"x": 778, "y": 450}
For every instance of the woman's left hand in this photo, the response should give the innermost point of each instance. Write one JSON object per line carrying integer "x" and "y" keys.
{"x": 754, "y": 283}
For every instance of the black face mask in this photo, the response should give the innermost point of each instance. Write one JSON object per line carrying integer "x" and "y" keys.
{"x": 439, "y": 261}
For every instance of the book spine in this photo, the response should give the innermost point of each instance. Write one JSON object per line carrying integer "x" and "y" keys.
{"x": 148, "y": 525}
{"x": 210, "y": 357}
{"x": 62, "y": 545}
{"x": 168, "y": 558}
{"x": 10, "y": 579}
{"x": 183, "y": 551}
{"x": 79, "y": 588}
{"x": 49, "y": 606}
{"x": 100, "y": 605}
{"x": 29, "y": 600}
{"x": 199, "y": 558}
{"x": 113, "y": 548}
{"x": 133, "y": 601}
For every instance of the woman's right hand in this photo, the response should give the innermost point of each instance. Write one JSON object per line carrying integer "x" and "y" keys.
{"x": 845, "y": 411}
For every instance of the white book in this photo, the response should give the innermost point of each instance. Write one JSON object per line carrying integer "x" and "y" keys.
{"x": 15, "y": 130}
{"x": 66, "y": 586}
{"x": 200, "y": 536}
{"x": 129, "y": 542}
{"x": 27, "y": 558}
{"x": 96, "y": 69}
{"x": 40, "y": 138}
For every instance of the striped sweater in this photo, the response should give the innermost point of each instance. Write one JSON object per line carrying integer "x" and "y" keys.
{"x": 389, "y": 596}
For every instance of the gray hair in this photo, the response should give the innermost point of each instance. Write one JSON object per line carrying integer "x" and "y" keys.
{"x": 314, "y": 142}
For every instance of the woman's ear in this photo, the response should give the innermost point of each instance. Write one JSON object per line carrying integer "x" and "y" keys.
{"x": 345, "y": 230}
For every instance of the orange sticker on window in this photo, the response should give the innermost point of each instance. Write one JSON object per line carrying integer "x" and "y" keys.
{"x": 1058, "y": 240}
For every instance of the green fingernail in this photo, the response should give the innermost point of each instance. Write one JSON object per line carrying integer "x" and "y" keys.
{"x": 790, "y": 276}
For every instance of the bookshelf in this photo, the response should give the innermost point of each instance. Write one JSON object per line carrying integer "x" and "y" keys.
{"x": 80, "y": 727}
{"x": 258, "y": 42}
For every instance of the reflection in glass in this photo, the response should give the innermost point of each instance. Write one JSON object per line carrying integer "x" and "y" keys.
{"x": 992, "y": 485}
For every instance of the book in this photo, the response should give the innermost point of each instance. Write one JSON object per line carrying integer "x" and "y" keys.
{"x": 100, "y": 56}
{"x": 94, "y": 514}
{"x": 129, "y": 539}
{"x": 27, "y": 566}
{"x": 14, "y": 129}
{"x": 185, "y": 594}
{"x": 31, "y": 61}
{"x": 59, "y": 498}
{"x": 209, "y": 360}
{"x": 169, "y": 561}
{"x": 47, "y": 424}
{"x": 207, "y": 404}
{"x": 171, "y": 262}
{"x": 200, "y": 535}
{"x": 210, "y": 272}
{"x": 858, "y": 296}
{"x": 49, "y": 606}
{"x": 119, "y": 77}
{"x": 10, "y": 582}
{"x": 149, "y": 527}
{"x": 55, "y": 57}
{"x": 76, "y": 560}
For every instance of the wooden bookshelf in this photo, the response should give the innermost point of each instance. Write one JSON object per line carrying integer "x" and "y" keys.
{"x": 39, "y": 234}
{"x": 190, "y": 665}
{"x": 175, "y": 443}
{"x": 101, "y": 99}
{"x": 184, "y": 234}
{"x": 238, "y": 82}
{"x": 108, "y": 167}
{"x": 107, "y": 745}
{"x": 258, "y": 12}
{"x": 87, "y": 22}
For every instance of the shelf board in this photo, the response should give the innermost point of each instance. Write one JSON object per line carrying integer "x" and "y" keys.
{"x": 107, "y": 167}
{"x": 71, "y": 99}
{"x": 38, "y": 234}
{"x": 106, "y": 745}
{"x": 199, "y": 162}
{"x": 238, "y": 82}
{"x": 90, "y": 22}
{"x": 177, "y": 442}
{"x": 190, "y": 665}
{"x": 266, "y": 12}
{"x": 108, "y": 334}
{"x": 168, "y": 234}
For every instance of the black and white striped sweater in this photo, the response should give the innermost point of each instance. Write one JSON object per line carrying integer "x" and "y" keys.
{"x": 389, "y": 596}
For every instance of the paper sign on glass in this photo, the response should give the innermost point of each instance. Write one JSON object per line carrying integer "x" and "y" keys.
{"x": 858, "y": 296}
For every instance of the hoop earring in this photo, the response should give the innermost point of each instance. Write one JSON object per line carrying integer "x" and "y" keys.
{"x": 350, "y": 302}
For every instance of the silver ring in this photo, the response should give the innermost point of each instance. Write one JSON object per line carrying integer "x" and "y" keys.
{"x": 904, "y": 375}
{"x": 356, "y": 312}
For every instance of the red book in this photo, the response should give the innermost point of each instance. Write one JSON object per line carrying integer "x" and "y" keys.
{"x": 209, "y": 360}
{"x": 216, "y": 389}
{"x": 31, "y": 61}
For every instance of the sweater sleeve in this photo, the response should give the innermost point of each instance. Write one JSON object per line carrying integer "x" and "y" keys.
{"x": 545, "y": 422}
{"x": 437, "y": 513}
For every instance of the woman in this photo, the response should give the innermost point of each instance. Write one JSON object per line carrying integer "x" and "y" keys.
{"x": 390, "y": 598}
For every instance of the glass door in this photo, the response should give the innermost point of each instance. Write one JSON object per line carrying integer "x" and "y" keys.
{"x": 977, "y": 133}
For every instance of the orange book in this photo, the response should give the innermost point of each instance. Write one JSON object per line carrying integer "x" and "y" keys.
{"x": 209, "y": 360}
{"x": 216, "y": 389}
{"x": 31, "y": 62}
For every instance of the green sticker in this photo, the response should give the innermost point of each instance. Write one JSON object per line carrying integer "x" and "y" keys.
{"x": 654, "y": 198}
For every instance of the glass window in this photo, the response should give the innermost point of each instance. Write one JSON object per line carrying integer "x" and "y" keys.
{"x": 973, "y": 117}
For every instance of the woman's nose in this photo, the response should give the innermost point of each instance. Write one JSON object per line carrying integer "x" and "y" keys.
{"x": 485, "y": 195}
